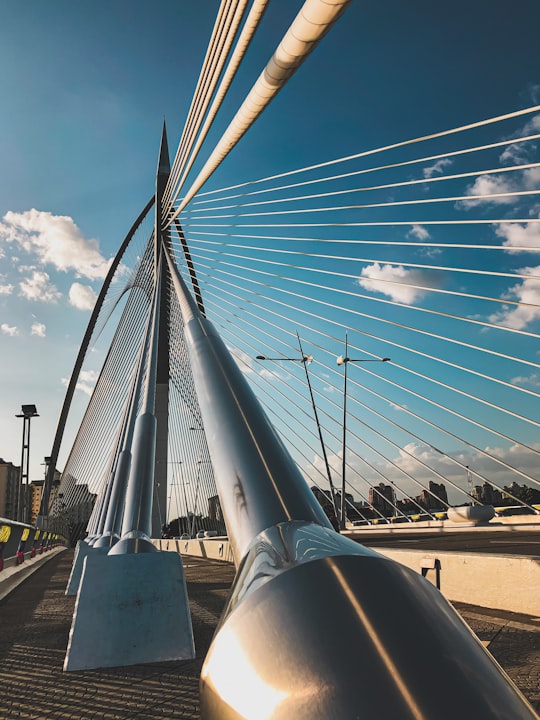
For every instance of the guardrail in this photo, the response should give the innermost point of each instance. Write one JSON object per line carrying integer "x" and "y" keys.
{"x": 19, "y": 541}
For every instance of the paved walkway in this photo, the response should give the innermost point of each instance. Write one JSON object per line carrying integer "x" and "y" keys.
{"x": 36, "y": 617}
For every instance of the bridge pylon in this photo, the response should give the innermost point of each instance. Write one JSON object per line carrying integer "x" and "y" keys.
{"x": 132, "y": 604}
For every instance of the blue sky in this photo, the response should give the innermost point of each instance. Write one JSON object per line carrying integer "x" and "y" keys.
{"x": 85, "y": 88}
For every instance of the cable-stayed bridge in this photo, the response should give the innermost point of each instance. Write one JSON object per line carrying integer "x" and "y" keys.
{"x": 382, "y": 308}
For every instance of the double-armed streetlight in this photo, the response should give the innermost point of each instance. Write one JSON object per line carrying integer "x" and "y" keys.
{"x": 345, "y": 360}
{"x": 307, "y": 360}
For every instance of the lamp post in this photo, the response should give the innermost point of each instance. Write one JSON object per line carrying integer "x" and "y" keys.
{"x": 345, "y": 360}
{"x": 307, "y": 360}
{"x": 27, "y": 413}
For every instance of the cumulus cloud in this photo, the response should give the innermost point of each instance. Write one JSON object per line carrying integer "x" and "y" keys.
{"x": 522, "y": 152}
{"x": 531, "y": 178}
{"x": 55, "y": 240}
{"x": 437, "y": 168}
{"x": 6, "y": 289}
{"x": 38, "y": 329}
{"x": 515, "y": 154}
{"x": 38, "y": 287}
{"x": 248, "y": 365}
{"x": 425, "y": 462}
{"x": 419, "y": 232}
{"x": 528, "y": 292}
{"x": 244, "y": 361}
{"x": 445, "y": 464}
{"x": 532, "y": 126}
{"x": 517, "y": 235}
{"x": 86, "y": 382}
{"x": 532, "y": 380}
{"x": 397, "y": 282}
{"x": 489, "y": 185}
{"x": 82, "y": 297}
{"x": 10, "y": 330}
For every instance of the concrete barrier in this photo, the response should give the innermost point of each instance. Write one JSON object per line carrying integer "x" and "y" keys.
{"x": 217, "y": 548}
{"x": 499, "y": 582}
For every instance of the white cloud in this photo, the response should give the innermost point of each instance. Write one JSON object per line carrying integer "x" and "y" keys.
{"x": 437, "y": 168}
{"x": 55, "y": 240}
{"x": 82, "y": 297}
{"x": 489, "y": 185}
{"x": 522, "y": 152}
{"x": 419, "y": 232}
{"x": 515, "y": 154}
{"x": 397, "y": 282}
{"x": 446, "y": 467}
{"x": 243, "y": 360}
{"x": 532, "y": 380}
{"x": 38, "y": 329}
{"x": 518, "y": 235}
{"x": 527, "y": 291}
{"x": 86, "y": 382}
{"x": 249, "y": 365}
{"x": 533, "y": 125}
{"x": 486, "y": 185}
{"x": 39, "y": 287}
{"x": 531, "y": 178}
{"x": 6, "y": 289}
{"x": 10, "y": 330}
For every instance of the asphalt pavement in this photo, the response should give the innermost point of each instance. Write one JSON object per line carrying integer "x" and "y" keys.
{"x": 507, "y": 542}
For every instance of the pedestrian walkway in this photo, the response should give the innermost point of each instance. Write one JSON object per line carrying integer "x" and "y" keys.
{"x": 36, "y": 618}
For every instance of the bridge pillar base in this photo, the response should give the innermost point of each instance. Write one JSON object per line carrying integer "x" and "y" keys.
{"x": 82, "y": 551}
{"x": 130, "y": 609}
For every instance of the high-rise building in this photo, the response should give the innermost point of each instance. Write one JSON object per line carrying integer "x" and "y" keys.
{"x": 487, "y": 494}
{"x": 436, "y": 498}
{"x": 383, "y": 498}
{"x": 9, "y": 487}
{"x": 36, "y": 493}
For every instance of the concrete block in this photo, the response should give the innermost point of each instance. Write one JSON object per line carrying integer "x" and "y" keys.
{"x": 82, "y": 550}
{"x": 130, "y": 609}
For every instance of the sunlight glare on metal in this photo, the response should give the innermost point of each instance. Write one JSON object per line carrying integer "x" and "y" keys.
{"x": 234, "y": 678}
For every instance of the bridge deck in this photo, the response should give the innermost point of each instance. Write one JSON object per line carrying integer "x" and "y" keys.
{"x": 36, "y": 618}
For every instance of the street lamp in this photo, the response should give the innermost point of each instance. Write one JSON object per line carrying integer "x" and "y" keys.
{"x": 27, "y": 413}
{"x": 199, "y": 461}
{"x": 307, "y": 360}
{"x": 345, "y": 360}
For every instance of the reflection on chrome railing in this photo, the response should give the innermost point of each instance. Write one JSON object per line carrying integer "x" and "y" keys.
{"x": 317, "y": 629}
{"x": 283, "y": 547}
